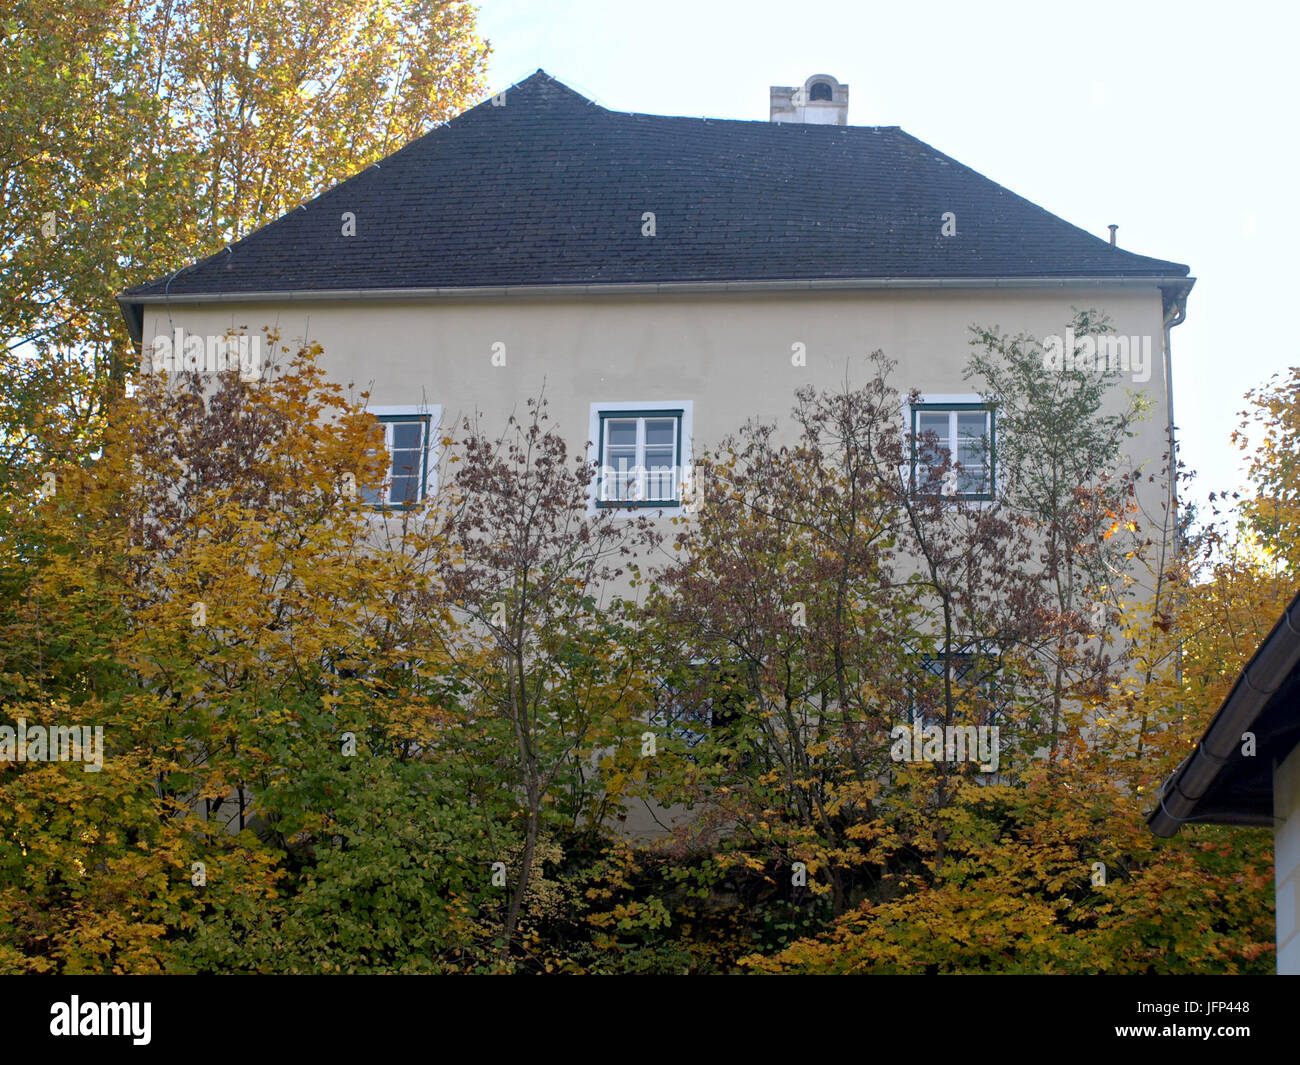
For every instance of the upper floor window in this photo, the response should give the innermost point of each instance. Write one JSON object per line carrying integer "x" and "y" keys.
{"x": 640, "y": 458}
{"x": 953, "y": 449}
{"x": 406, "y": 438}
{"x": 820, "y": 91}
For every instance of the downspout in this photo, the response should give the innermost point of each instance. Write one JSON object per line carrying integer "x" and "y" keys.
{"x": 1174, "y": 299}
{"x": 1175, "y": 308}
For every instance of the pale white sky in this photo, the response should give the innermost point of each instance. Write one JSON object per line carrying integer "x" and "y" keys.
{"x": 1176, "y": 121}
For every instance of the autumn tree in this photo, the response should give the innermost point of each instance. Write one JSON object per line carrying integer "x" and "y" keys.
{"x": 535, "y": 579}
{"x": 1062, "y": 473}
{"x": 839, "y": 587}
{"x": 1052, "y": 869}
{"x": 261, "y": 651}
{"x": 765, "y": 629}
{"x": 1273, "y": 509}
{"x": 140, "y": 136}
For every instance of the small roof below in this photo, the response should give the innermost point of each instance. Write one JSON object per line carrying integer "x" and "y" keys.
{"x": 1217, "y": 783}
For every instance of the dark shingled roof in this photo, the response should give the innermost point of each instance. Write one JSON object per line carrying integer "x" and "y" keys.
{"x": 551, "y": 188}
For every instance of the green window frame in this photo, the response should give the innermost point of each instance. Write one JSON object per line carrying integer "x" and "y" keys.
{"x": 696, "y": 701}
{"x": 623, "y": 477}
{"x": 407, "y": 478}
{"x": 951, "y": 441}
{"x": 973, "y": 664}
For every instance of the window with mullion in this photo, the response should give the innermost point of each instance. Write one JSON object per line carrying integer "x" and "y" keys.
{"x": 640, "y": 458}
{"x": 972, "y": 668}
{"x": 696, "y": 700}
{"x": 406, "y": 439}
{"x": 960, "y": 436}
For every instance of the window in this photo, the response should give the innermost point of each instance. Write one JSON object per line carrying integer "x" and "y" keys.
{"x": 820, "y": 91}
{"x": 697, "y": 700}
{"x": 968, "y": 668}
{"x": 680, "y": 719}
{"x": 959, "y": 436}
{"x": 640, "y": 454}
{"x": 406, "y": 435}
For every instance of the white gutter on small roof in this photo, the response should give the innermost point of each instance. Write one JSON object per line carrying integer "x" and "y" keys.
{"x": 1277, "y": 658}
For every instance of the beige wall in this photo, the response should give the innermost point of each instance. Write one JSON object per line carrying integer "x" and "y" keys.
{"x": 728, "y": 354}
{"x": 1286, "y": 862}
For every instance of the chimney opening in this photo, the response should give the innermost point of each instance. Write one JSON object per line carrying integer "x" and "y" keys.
{"x": 821, "y": 100}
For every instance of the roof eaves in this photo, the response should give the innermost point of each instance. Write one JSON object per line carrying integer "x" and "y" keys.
{"x": 1276, "y": 659}
{"x": 128, "y": 300}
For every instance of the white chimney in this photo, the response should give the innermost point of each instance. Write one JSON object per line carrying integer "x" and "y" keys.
{"x": 821, "y": 100}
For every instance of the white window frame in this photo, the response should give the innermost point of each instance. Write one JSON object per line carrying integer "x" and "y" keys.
{"x": 941, "y": 399}
{"x": 432, "y": 412}
{"x": 685, "y": 457}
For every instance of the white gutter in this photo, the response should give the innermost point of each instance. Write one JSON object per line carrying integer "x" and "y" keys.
{"x": 666, "y": 288}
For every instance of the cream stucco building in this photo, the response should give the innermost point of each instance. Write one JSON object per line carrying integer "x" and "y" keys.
{"x": 662, "y": 280}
